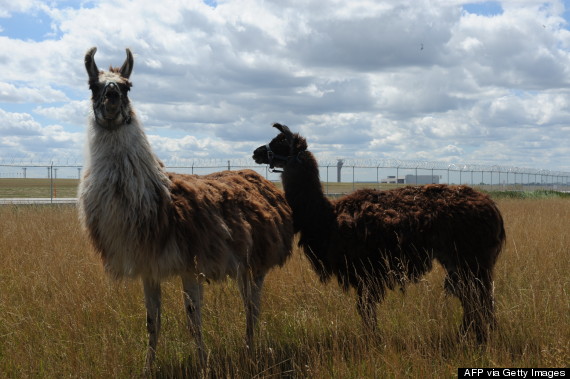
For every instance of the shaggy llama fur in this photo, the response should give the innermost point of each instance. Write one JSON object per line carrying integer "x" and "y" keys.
{"x": 148, "y": 223}
{"x": 377, "y": 240}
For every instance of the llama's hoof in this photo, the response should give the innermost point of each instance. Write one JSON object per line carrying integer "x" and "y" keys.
{"x": 149, "y": 362}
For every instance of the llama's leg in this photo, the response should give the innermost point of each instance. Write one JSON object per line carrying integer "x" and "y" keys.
{"x": 193, "y": 293}
{"x": 491, "y": 305}
{"x": 456, "y": 283}
{"x": 152, "y": 301}
{"x": 250, "y": 290}
{"x": 475, "y": 291}
{"x": 366, "y": 306}
{"x": 483, "y": 299}
{"x": 451, "y": 283}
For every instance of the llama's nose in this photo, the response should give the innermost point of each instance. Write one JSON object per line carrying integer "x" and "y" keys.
{"x": 112, "y": 93}
{"x": 258, "y": 153}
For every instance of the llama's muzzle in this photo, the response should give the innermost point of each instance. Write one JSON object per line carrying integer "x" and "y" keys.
{"x": 260, "y": 155}
{"x": 111, "y": 99}
{"x": 112, "y": 94}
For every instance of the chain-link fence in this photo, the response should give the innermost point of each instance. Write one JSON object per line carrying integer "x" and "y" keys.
{"x": 339, "y": 176}
{"x": 488, "y": 177}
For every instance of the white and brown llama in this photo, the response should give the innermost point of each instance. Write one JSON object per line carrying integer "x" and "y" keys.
{"x": 150, "y": 224}
{"x": 377, "y": 240}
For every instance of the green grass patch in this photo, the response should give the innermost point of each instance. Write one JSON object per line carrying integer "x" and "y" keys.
{"x": 537, "y": 194}
{"x": 43, "y": 188}
{"x": 60, "y": 188}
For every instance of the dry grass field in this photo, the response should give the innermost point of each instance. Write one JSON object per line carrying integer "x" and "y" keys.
{"x": 60, "y": 316}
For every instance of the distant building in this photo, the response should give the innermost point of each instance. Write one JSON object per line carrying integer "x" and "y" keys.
{"x": 422, "y": 179}
{"x": 412, "y": 179}
{"x": 394, "y": 180}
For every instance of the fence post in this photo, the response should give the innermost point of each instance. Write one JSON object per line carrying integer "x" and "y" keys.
{"x": 352, "y": 178}
{"x": 397, "y": 175}
{"x": 327, "y": 179}
{"x": 377, "y": 179}
{"x": 51, "y": 182}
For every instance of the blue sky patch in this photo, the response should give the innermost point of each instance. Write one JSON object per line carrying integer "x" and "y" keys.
{"x": 487, "y": 8}
{"x": 28, "y": 26}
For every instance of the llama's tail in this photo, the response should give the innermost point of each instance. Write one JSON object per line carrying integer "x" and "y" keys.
{"x": 501, "y": 235}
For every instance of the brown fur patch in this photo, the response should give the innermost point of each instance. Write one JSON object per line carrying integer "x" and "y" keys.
{"x": 231, "y": 212}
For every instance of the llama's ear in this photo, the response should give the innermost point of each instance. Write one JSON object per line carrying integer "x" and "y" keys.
{"x": 90, "y": 65}
{"x": 127, "y": 67}
{"x": 285, "y": 130}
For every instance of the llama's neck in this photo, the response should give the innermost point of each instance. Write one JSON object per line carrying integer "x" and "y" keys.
{"x": 123, "y": 158}
{"x": 313, "y": 214}
{"x": 124, "y": 197}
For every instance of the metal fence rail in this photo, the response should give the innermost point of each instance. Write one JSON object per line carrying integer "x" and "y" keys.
{"x": 371, "y": 172}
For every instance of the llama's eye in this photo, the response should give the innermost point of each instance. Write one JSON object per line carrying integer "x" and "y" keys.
{"x": 95, "y": 89}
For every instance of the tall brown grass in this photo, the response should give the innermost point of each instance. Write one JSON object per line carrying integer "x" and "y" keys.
{"x": 60, "y": 316}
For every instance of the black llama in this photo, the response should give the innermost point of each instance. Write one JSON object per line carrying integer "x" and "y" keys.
{"x": 377, "y": 240}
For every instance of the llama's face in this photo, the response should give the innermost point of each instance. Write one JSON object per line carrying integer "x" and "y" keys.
{"x": 275, "y": 153}
{"x": 109, "y": 90}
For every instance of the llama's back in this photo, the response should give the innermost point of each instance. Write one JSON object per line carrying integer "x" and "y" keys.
{"x": 410, "y": 221}
{"x": 231, "y": 218}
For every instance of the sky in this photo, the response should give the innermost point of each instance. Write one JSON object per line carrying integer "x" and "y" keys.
{"x": 441, "y": 80}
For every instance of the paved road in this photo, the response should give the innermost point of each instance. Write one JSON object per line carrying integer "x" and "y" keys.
{"x": 37, "y": 200}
